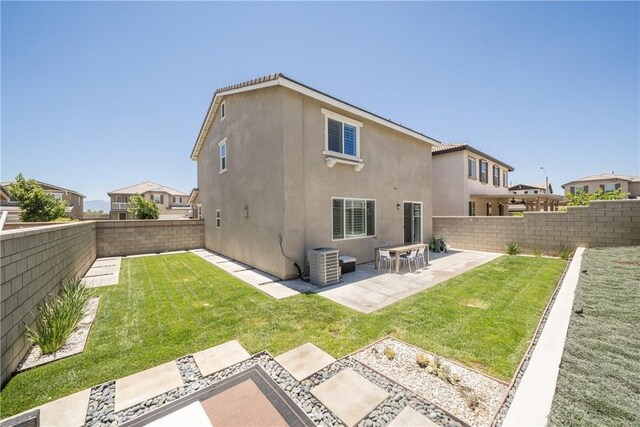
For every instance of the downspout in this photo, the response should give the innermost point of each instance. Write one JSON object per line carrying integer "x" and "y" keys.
{"x": 293, "y": 261}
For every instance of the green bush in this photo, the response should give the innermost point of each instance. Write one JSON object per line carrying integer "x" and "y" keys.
{"x": 517, "y": 214}
{"x": 512, "y": 248}
{"x": 537, "y": 252}
{"x": 141, "y": 208}
{"x": 564, "y": 252}
{"x": 59, "y": 316}
{"x": 580, "y": 198}
{"x": 388, "y": 351}
{"x": 35, "y": 204}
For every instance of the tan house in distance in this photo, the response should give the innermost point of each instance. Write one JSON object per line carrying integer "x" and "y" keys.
{"x": 607, "y": 182}
{"x": 73, "y": 198}
{"x": 468, "y": 182}
{"x": 173, "y": 203}
{"x": 284, "y": 168}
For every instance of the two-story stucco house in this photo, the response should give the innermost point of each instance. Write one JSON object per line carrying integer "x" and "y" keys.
{"x": 629, "y": 184}
{"x": 73, "y": 198}
{"x": 468, "y": 182}
{"x": 284, "y": 168}
{"x": 173, "y": 203}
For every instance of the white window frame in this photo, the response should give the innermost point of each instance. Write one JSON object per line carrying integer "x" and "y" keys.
{"x": 58, "y": 196}
{"x": 486, "y": 163}
{"x": 342, "y": 119}
{"x": 475, "y": 168}
{"x": 226, "y": 156}
{"x": 223, "y": 110}
{"x": 505, "y": 178}
{"x": 124, "y": 199}
{"x": 218, "y": 219}
{"x": 612, "y": 186}
{"x": 495, "y": 168}
{"x": 344, "y": 219}
{"x": 421, "y": 216}
{"x": 153, "y": 198}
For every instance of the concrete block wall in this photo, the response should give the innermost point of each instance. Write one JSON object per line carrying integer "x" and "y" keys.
{"x": 116, "y": 238}
{"x": 602, "y": 223}
{"x": 33, "y": 263}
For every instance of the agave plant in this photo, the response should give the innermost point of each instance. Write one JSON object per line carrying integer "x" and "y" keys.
{"x": 512, "y": 248}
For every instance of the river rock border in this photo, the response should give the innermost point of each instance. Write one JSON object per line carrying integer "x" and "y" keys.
{"x": 399, "y": 396}
{"x": 101, "y": 409}
{"x": 504, "y": 408}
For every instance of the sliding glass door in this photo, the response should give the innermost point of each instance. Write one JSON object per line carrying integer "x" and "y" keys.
{"x": 413, "y": 222}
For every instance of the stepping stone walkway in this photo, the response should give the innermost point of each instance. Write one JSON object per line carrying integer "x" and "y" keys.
{"x": 258, "y": 279}
{"x": 219, "y": 357}
{"x": 144, "y": 385}
{"x": 350, "y": 396}
{"x": 305, "y": 360}
{"x": 103, "y": 272}
{"x": 409, "y": 417}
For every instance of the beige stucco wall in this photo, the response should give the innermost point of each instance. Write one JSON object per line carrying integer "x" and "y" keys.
{"x": 34, "y": 262}
{"x": 610, "y": 223}
{"x": 277, "y": 170}
{"x": 450, "y": 186}
{"x": 254, "y": 180}
{"x": 634, "y": 189}
{"x": 397, "y": 169}
{"x": 595, "y": 185}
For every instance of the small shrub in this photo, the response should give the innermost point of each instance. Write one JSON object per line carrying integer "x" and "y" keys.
{"x": 512, "y": 248}
{"x": 565, "y": 253}
{"x": 422, "y": 360}
{"x": 59, "y": 316}
{"x": 388, "y": 351}
{"x": 471, "y": 398}
{"x": 537, "y": 252}
{"x": 517, "y": 214}
{"x": 437, "y": 363}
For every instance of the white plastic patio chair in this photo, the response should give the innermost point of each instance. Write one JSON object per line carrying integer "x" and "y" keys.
{"x": 408, "y": 258}
{"x": 386, "y": 257}
{"x": 421, "y": 256}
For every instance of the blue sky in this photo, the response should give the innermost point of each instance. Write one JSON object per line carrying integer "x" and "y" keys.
{"x": 97, "y": 96}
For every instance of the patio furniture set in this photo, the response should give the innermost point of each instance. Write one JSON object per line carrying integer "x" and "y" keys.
{"x": 395, "y": 254}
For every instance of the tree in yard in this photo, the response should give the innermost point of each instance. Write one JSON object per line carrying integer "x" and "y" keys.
{"x": 583, "y": 199}
{"x": 35, "y": 204}
{"x": 141, "y": 208}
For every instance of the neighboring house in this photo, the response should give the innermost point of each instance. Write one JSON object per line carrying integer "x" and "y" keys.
{"x": 73, "y": 198}
{"x": 530, "y": 189}
{"x": 173, "y": 203}
{"x": 468, "y": 182}
{"x": 284, "y": 168}
{"x": 195, "y": 207}
{"x": 607, "y": 182}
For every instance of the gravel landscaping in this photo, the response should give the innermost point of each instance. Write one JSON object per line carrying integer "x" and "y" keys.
{"x": 74, "y": 345}
{"x": 404, "y": 369}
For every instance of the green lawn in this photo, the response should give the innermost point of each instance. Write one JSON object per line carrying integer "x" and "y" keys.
{"x": 168, "y": 306}
{"x": 599, "y": 379}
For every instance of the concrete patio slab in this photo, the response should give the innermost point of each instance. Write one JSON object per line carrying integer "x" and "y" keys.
{"x": 69, "y": 411}
{"x": 533, "y": 398}
{"x": 409, "y": 417}
{"x": 255, "y": 277}
{"x": 143, "y": 385}
{"x": 192, "y": 415}
{"x": 222, "y": 356}
{"x": 367, "y": 289}
{"x": 304, "y": 360}
{"x": 103, "y": 272}
{"x": 350, "y": 396}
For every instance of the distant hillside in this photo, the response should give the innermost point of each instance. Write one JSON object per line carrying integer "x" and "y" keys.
{"x": 96, "y": 205}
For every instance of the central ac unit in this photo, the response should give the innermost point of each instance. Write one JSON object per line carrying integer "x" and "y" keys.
{"x": 324, "y": 266}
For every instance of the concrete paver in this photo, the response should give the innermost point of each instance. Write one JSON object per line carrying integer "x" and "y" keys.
{"x": 143, "y": 385}
{"x": 70, "y": 411}
{"x": 532, "y": 402}
{"x": 103, "y": 272}
{"x": 304, "y": 360}
{"x": 409, "y": 417}
{"x": 349, "y": 395}
{"x": 216, "y": 358}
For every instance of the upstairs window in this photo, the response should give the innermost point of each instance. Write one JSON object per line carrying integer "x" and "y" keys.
{"x": 505, "y": 177}
{"x": 483, "y": 172}
{"x": 472, "y": 167}
{"x": 223, "y": 110}
{"x": 496, "y": 176}
{"x": 342, "y": 134}
{"x": 353, "y": 218}
{"x": 222, "y": 147}
{"x": 218, "y": 218}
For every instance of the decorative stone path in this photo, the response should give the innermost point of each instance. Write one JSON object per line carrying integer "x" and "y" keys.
{"x": 336, "y": 393}
{"x": 103, "y": 272}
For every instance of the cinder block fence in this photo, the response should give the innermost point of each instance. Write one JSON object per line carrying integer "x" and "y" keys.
{"x": 34, "y": 260}
{"x": 602, "y": 223}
